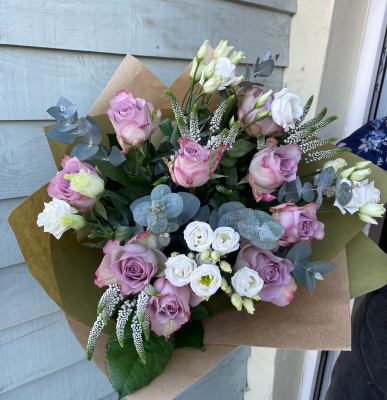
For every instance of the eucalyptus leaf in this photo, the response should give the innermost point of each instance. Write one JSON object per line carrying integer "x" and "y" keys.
{"x": 301, "y": 251}
{"x": 140, "y": 213}
{"x": 265, "y": 68}
{"x": 291, "y": 195}
{"x": 318, "y": 276}
{"x": 173, "y": 204}
{"x": 319, "y": 199}
{"x": 266, "y": 56}
{"x": 228, "y": 207}
{"x": 246, "y": 84}
{"x": 282, "y": 192}
{"x": 310, "y": 282}
{"x": 326, "y": 178}
{"x": 191, "y": 207}
{"x": 203, "y": 214}
{"x": 56, "y": 113}
{"x": 247, "y": 73}
{"x": 157, "y": 223}
{"x": 159, "y": 192}
{"x": 322, "y": 267}
{"x": 300, "y": 273}
{"x": 65, "y": 127}
{"x": 298, "y": 186}
{"x": 136, "y": 202}
{"x": 116, "y": 157}
{"x": 271, "y": 231}
{"x": 213, "y": 220}
{"x": 62, "y": 137}
{"x": 308, "y": 192}
{"x": 344, "y": 194}
{"x": 264, "y": 245}
{"x": 83, "y": 151}
{"x": 93, "y": 135}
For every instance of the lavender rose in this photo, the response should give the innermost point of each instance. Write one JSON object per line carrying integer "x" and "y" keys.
{"x": 131, "y": 266}
{"x": 300, "y": 223}
{"x": 279, "y": 286}
{"x": 133, "y": 119}
{"x": 193, "y": 165}
{"x": 267, "y": 126}
{"x": 170, "y": 311}
{"x": 272, "y": 166}
{"x": 60, "y": 188}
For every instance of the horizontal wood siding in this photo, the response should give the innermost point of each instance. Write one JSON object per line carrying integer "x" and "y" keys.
{"x": 71, "y": 48}
{"x": 165, "y": 29}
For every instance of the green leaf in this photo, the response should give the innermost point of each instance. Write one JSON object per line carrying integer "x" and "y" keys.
{"x": 322, "y": 267}
{"x": 100, "y": 210}
{"x": 240, "y": 148}
{"x": 124, "y": 232}
{"x": 227, "y": 161}
{"x": 112, "y": 172}
{"x": 218, "y": 199}
{"x": 166, "y": 127}
{"x": 97, "y": 245}
{"x": 232, "y": 175}
{"x": 190, "y": 335}
{"x": 199, "y": 313}
{"x": 127, "y": 372}
{"x": 132, "y": 161}
{"x": 113, "y": 140}
{"x": 301, "y": 251}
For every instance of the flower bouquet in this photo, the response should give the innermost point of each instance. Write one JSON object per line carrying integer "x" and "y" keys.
{"x": 205, "y": 216}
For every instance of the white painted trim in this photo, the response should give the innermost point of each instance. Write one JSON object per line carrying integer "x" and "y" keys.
{"x": 309, "y": 376}
{"x": 367, "y": 66}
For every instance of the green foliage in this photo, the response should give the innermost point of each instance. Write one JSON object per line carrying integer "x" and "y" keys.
{"x": 190, "y": 335}
{"x": 127, "y": 372}
{"x": 199, "y": 313}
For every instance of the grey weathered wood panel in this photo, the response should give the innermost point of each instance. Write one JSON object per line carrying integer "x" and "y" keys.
{"x": 226, "y": 381}
{"x": 41, "y": 76}
{"x": 21, "y": 174}
{"x": 286, "y": 6}
{"x": 66, "y": 384}
{"x": 10, "y": 253}
{"x": 47, "y": 348}
{"x": 21, "y": 297}
{"x": 166, "y": 29}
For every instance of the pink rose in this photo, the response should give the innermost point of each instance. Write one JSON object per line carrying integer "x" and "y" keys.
{"x": 279, "y": 285}
{"x": 133, "y": 119}
{"x": 300, "y": 223}
{"x": 272, "y": 166}
{"x": 59, "y": 188}
{"x": 193, "y": 165}
{"x": 171, "y": 310}
{"x": 131, "y": 266}
{"x": 267, "y": 126}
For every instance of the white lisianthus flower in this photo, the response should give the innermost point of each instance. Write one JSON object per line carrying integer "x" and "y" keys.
{"x": 372, "y": 194}
{"x": 179, "y": 269}
{"x": 85, "y": 183}
{"x": 285, "y": 108}
{"x": 360, "y": 174}
{"x": 206, "y": 280}
{"x": 198, "y": 236}
{"x": 222, "y": 49}
{"x": 247, "y": 282}
{"x": 226, "y": 240}
{"x": 358, "y": 199}
{"x": 236, "y": 57}
{"x": 336, "y": 164}
{"x": 52, "y": 215}
{"x": 373, "y": 210}
{"x": 224, "y": 69}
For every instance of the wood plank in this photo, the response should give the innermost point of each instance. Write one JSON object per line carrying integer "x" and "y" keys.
{"x": 9, "y": 249}
{"x": 167, "y": 29}
{"x": 286, "y": 6}
{"x": 82, "y": 380}
{"x": 26, "y": 163}
{"x": 38, "y": 353}
{"x": 27, "y": 298}
{"x": 41, "y": 76}
{"x": 227, "y": 380}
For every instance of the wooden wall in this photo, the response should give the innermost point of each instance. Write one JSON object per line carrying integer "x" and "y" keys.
{"x": 71, "y": 48}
